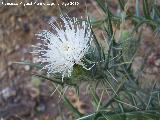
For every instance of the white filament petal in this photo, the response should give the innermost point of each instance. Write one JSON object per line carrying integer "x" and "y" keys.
{"x": 61, "y": 50}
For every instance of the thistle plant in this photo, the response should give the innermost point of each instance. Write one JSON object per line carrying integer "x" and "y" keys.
{"x": 71, "y": 59}
{"x": 64, "y": 49}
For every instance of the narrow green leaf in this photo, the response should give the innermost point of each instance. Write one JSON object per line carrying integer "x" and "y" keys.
{"x": 95, "y": 97}
{"x": 110, "y": 28}
{"x": 146, "y": 9}
{"x": 157, "y": 11}
{"x": 87, "y": 117}
{"x": 121, "y": 107}
{"x": 150, "y": 97}
{"x": 125, "y": 103}
{"x": 101, "y": 5}
{"x": 122, "y": 4}
{"x": 137, "y": 8}
{"x": 49, "y": 79}
{"x": 72, "y": 108}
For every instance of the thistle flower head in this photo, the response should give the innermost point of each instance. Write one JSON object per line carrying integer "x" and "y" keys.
{"x": 61, "y": 50}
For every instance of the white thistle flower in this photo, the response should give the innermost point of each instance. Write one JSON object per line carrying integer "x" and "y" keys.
{"x": 61, "y": 50}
